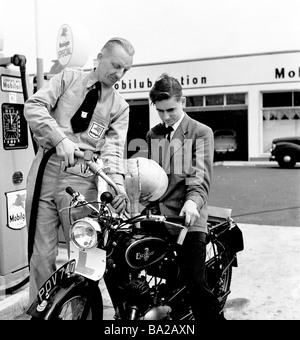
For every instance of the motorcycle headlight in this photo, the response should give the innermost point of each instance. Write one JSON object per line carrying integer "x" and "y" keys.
{"x": 84, "y": 233}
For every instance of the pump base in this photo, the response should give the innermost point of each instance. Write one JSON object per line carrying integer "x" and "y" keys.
{"x": 13, "y": 281}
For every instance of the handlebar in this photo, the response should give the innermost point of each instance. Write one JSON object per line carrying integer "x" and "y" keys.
{"x": 79, "y": 199}
{"x": 166, "y": 219}
{"x": 71, "y": 191}
{"x": 90, "y": 161}
{"x": 175, "y": 220}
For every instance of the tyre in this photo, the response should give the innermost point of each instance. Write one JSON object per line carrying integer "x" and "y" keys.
{"x": 218, "y": 270}
{"x": 286, "y": 160}
{"x": 72, "y": 305}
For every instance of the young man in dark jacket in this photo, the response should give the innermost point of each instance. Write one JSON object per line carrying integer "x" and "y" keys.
{"x": 186, "y": 154}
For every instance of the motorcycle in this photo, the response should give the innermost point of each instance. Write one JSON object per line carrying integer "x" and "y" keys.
{"x": 137, "y": 257}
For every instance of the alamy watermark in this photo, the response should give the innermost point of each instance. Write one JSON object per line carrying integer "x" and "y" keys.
{"x": 184, "y": 158}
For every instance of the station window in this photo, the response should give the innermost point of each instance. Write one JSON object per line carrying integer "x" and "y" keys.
{"x": 278, "y": 99}
{"x": 297, "y": 98}
{"x": 194, "y": 101}
{"x": 281, "y": 116}
{"x": 214, "y": 100}
{"x": 217, "y": 100}
{"x": 281, "y": 106}
{"x": 235, "y": 99}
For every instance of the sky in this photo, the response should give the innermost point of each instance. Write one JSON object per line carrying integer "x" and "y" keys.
{"x": 160, "y": 30}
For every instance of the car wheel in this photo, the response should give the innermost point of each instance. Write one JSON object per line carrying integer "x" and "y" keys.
{"x": 286, "y": 160}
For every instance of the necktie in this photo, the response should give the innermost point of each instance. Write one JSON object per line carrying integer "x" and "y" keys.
{"x": 81, "y": 119}
{"x": 168, "y": 131}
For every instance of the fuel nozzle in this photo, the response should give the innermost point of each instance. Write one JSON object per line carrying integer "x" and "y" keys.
{"x": 16, "y": 60}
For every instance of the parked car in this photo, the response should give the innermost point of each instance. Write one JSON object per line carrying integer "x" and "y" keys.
{"x": 286, "y": 151}
{"x": 225, "y": 140}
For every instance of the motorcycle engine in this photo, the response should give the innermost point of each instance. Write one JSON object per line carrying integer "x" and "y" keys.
{"x": 138, "y": 292}
{"x": 146, "y": 270}
{"x": 145, "y": 301}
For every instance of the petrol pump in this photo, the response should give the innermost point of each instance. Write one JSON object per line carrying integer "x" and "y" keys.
{"x": 16, "y": 155}
{"x": 17, "y": 151}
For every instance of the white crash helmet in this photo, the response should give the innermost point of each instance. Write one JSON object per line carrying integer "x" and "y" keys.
{"x": 152, "y": 177}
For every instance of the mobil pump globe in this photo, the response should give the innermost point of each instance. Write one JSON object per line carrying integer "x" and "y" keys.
{"x": 153, "y": 178}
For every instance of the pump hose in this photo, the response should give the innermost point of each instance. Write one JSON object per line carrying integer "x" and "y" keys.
{"x": 20, "y": 61}
{"x": 35, "y": 201}
{"x": 25, "y": 96}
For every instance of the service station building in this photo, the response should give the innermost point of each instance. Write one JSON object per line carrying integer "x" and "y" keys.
{"x": 256, "y": 95}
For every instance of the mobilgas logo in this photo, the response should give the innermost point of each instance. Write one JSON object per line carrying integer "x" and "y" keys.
{"x": 64, "y": 45}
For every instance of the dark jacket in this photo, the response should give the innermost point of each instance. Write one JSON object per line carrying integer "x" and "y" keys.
{"x": 188, "y": 162}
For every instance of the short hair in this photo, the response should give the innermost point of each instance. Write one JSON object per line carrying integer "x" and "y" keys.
{"x": 165, "y": 87}
{"x": 119, "y": 41}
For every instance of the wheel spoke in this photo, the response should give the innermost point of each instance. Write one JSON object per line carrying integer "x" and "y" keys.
{"x": 72, "y": 309}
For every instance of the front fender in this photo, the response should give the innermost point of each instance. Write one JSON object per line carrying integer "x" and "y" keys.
{"x": 283, "y": 147}
{"x": 45, "y": 309}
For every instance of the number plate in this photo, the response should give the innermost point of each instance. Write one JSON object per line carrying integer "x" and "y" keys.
{"x": 55, "y": 279}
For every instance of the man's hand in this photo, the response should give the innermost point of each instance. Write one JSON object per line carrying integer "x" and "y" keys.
{"x": 190, "y": 211}
{"x": 65, "y": 151}
{"x": 145, "y": 199}
{"x": 121, "y": 201}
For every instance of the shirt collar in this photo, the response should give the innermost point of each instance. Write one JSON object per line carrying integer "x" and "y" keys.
{"x": 175, "y": 125}
{"x": 92, "y": 79}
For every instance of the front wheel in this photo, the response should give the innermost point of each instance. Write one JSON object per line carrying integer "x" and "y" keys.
{"x": 72, "y": 305}
{"x": 286, "y": 160}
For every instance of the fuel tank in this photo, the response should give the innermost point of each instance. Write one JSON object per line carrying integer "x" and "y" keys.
{"x": 144, "y": 252}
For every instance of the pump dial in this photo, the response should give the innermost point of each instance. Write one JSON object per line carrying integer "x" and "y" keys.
{"x": 15, "y": 135}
